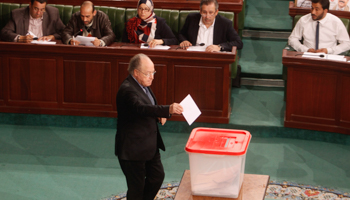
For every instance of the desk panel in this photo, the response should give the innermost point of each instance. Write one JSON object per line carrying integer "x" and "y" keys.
{"x": 1, "y": 82}
{"x": 78, "y": 80}
{"x": 318, "y": 93}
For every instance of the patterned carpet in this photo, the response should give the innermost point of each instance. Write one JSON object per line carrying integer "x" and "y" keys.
{"x": 275, "y": 190}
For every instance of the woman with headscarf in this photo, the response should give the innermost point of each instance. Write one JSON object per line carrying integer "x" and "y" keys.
{"x": 148, "y": 28}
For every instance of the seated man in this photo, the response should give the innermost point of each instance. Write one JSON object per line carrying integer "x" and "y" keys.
{"x": 209, "y": 29}
{"x": 342, "y": 5}
{"x": 92, "y": 22}
{"x": 37, "y": 19}
{"x": 331, "y": 37}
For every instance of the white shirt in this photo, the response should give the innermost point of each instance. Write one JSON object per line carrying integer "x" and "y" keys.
{"x": 205, "y": 35}
{"x": 331, "y": 32}
{"x": 36, "y": 26}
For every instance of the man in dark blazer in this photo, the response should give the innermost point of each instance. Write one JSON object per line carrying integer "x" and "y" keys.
{"x": 92, "y": 22}
{"x": 138, "y": 139}
{"x": 213, "y": 30}
{"x": 39, "y": 18}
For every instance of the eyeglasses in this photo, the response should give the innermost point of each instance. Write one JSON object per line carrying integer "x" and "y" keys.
{"x": 208, "y": 14}
{"x": 144, "y": 9}
{"x": 37, "y": 10}
{"x": 149, "y": 74}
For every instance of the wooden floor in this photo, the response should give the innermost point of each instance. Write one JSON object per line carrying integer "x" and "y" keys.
{"x": 253, "y": 188}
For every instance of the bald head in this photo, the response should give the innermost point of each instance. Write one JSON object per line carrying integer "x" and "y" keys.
{"x": 87, "y": 12}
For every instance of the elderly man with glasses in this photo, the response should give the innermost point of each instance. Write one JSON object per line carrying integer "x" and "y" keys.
{"x": 36, "y": 21}
{"x": 138, "y": 139}
{"x": 209, "y": 29}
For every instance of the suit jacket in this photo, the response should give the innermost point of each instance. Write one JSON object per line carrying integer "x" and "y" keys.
{"x": 101, "y": 28}
{"x": 19, "y": 23}
{"x": 138, "y": 136}
{"x": 224, "y": 33}
{"x": 163, "y": 32}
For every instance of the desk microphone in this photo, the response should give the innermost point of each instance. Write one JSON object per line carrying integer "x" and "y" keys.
{"x": 321, "y": 56}
{"x": 80, "y": 31}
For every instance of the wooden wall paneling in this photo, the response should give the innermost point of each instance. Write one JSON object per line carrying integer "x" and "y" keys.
{"x": 1, "y": 81}
{"x": 203, "y": 85}
{"x": 87, "y": 83}
{"x": 316, "y": 102}
{"x": 344, "y": 97}
{"x": 32, "y": 81}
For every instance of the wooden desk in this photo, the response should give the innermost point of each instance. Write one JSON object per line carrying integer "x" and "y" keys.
{"x": 78, "y": 80}
{"x": 318, "y": 93}
{"x": 253, "y": 188}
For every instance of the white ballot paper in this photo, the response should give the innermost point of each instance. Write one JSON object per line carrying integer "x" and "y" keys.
{"x": 145, "y": 46}
{"x": 191, "y": 111}
{"x": 85, "y": 40}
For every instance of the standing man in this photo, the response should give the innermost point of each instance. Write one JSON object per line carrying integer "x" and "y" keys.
{"x": 138, "y": 139}
{"x": 93, "y": 23}
{"x": 38, "y": 18}
{"x": 210, "y": 29}
{"x": 321, "y": 31}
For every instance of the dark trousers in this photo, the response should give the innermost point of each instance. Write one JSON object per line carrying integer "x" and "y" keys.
{"x": 144, "y": 178}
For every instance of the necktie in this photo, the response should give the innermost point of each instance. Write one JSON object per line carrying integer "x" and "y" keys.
{"x": 317, "y": 33}
{"x": 149, "y": 95}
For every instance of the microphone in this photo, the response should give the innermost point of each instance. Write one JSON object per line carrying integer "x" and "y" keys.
{"x": 80, "y": 31}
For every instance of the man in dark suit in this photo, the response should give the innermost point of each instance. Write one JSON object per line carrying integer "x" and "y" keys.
{"x": 208, "y": 28}
{"x": 93, "y": 23}
{"x": 38, "y": 18}
{"x": 138, "y": 139}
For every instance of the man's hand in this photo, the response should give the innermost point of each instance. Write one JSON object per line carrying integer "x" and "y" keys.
{"x": 74, "y": 42}
{"x": 155, "y": 42}
{"x": 96, "y": 42}
{"x": 175, "y": 108}
{"x": 213, "y": 48}
{"x": 25, "y": 39}
{"x": 185, "y": 44}
{"x": 311, "y": 50}
{"x": 323, "y": 50}
{"x": 162, "y": 120}
{"x": 47, "y": 38}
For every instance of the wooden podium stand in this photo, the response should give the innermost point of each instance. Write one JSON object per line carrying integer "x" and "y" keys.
{"x": 253, "y": 188}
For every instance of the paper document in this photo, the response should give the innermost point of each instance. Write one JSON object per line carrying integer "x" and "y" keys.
{"x": 43, "y": 42}
{"x": 145, "y": 46}
{"x": 191, "y": 111}
{"x": 196, "y": 48}
{"x": 85, "y": 40}
{"x": 324, "y": 56}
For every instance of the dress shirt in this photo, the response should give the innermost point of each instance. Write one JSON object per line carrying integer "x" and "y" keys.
{"x": 205, "y": 35}
{"x": 332, "y": 32}
{"x": 36, "y": 26}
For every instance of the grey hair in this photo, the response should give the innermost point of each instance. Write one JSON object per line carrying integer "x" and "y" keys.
{"x": 135, "y": 62}
{"x": 207, "y": 2}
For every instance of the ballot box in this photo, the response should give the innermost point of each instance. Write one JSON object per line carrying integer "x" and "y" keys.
{"x": 217, "y": 161}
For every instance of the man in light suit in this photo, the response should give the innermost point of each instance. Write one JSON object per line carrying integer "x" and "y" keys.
{"x": 41, "y": 20}
{"x": 138, "y": 139}
{"x": 209, "y": 29}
